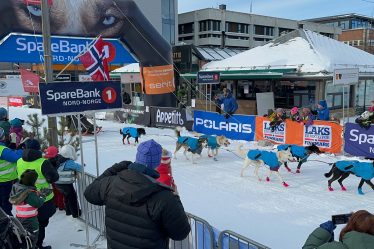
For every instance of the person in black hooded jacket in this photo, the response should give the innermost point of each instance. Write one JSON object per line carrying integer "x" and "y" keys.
{"x": 140, "y": 212}
{"x": 32, "y": 159}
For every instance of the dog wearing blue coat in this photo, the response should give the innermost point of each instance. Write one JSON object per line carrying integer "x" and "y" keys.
{"x": 129, "y": 132}
{"x": 190, "y": 144}
{"x": 214, "y": 143}
{"x": 270, "y": 159}
{"x": 342, "y": 169}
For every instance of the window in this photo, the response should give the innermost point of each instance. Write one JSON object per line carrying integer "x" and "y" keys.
{"x": 186, "y": 28}
{"x": 294, "y": 93}
{"x": 237, "y": 27}
{"x": 327, "y": 34}
{"x": 186, "y": 38}
{"x": 355, "y": 43}
{"x": 261, "y": 39}
{"x": 237, "y": 37}
{"x": 264, "y": 30}
{"x": 283, "y": 31}
{"x": 209, "y": 35}
{"x": 210, "y": 25}
{"x": 168, "y": 20}
{"x": 334, "y": 95}
{"x": 364, "y": 91}
{"x": 248, "y": 89}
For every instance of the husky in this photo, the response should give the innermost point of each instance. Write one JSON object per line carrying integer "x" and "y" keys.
{"x": 214, "y": 143}
{"x": 129, "y": 132}
{"x": 342, "y": 169}
{"x": 258, "y": 158}
{"x": 190, "y": 144}
{"x": 301, "y": 153}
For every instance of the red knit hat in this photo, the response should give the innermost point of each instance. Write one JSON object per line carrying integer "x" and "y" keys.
{"x": 51, "y": 152}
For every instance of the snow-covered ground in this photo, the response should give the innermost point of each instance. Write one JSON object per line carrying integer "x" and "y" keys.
{"x": 278, "y": 217}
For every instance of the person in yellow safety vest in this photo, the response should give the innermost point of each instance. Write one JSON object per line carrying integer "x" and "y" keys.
{"x": 8, "y": 172}
{"x": 32, "y": 159}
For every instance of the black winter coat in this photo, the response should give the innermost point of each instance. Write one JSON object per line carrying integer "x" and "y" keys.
{"x": 140, "y": 212}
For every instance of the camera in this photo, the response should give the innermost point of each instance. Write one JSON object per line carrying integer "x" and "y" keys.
{"x": 341, "y": 218}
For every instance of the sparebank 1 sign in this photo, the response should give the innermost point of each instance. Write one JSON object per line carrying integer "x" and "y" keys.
{"x": 29, "y": 49}
{"x": 77, "y": 97}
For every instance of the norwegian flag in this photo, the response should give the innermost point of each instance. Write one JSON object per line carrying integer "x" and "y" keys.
{"x": 95, "y": 60}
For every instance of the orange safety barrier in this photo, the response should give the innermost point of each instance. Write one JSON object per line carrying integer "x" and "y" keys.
{"x": 326, "y": 135}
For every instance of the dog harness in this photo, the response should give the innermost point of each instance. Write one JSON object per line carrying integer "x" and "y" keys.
{"x": 192, "y": 143}
{"x": 296, "y": 151}
{"x": 133, "y": 132}
{"x": 212, "y": 141}
{"x": 269, "y": 158}
{"x": 365, "y": 170}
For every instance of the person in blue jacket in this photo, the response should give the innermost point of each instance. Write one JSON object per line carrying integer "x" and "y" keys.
{"x": 301, "y": 153}
{"x": 8, "y": 172}
{"x": 230, "y": 106}
{"x": 323, "y": 112}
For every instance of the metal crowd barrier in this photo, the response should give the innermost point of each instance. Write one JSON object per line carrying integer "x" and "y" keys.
{"x": 202, "y": 235}
{"x": 231, "y": 240}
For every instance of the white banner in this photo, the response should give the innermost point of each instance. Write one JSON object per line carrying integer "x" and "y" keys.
{"x": 346, "y": 76}
{"x": 11, "y": 87}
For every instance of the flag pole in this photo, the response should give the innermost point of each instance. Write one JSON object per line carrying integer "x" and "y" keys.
{"x": 78, "y": 55}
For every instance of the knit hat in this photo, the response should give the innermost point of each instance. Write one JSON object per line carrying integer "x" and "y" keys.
{"x": 3, "y": 113}
{"x": 166, "y": 157}
{"x": 51, "y": 152}
{"x": 294, "y": 110}
{"x": 16, "y": 122}
{"x": 68, "y": 151}
{"x": 29, "y": 178}
{"x": 149, "y": 154}
{"x": 32, "y": 144}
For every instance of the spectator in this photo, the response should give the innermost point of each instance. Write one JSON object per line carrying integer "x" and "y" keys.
{"x": 295, "y": 115}
{"x": 276, "y": 118}
{"x": 323, "y": 113}
{"x": 17, "y": 130}
{"x": 27, "y": 200}
{"x": 166, "y": 175}
{"x": 4, "y": 123}
{"x": 365, "y": 120}
{"x": 51, "y": 153}
{"x": 371, "y": 108}
{"x": 307, "y": 117}
{"x": 357, "y": 234}
{"x": 67, "y": 169}
{"x": 218, "y": 94}
{"x": 140, "y": 212}
{"x": 32, "y": 159}
{"x": 229, "y": 103}
{"x": 126, "y": 98}
{"x": 8, "y": 172}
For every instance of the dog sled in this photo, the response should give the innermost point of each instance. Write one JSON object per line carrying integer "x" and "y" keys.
{"x": 87, "y": 125}
{"x": 12, "y": 233}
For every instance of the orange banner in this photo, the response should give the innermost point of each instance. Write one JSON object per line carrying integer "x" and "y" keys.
{"x": 158, "y": 80}
{"x": 326, "y": 135}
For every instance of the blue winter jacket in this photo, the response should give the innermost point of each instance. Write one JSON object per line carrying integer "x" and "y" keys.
{"x": 323, "y": 114}
{"x": 296, "y": 151}
{"x": 229, "y": 104}
{"x": 191, "y": 142}
{"x": 10, "y": 155}
{"x": 364, "y": 170}
{"x": 269, "y": 158}
{"x": 212, "y": 141}
{"x": 130, "y": 130}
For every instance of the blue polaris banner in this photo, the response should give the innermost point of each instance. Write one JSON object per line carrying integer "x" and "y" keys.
{"x": 29, "y": 49}
{"x": 77, "y": 97}
{"x": 238, "y": 127}
{"x": 359, "y": 141}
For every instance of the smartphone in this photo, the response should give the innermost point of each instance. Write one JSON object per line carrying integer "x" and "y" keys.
{"x": 341, "y": 218}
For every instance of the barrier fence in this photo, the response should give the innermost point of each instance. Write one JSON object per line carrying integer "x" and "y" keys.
{"x": 202, "y": 235}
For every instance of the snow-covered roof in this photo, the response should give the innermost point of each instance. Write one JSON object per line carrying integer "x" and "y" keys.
{"x": 302, "y": 50}
{"x": 130, "y": 68}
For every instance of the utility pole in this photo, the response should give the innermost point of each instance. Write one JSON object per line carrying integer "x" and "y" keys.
{"x": 46, "y": 29}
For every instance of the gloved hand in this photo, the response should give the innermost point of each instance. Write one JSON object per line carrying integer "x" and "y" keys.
{"x": 329, "y": 227}
{"x": 44, "y": 192}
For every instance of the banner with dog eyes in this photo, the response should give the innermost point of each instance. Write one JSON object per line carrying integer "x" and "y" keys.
{"x": 359, "y": 141}
{"x": 326, "y": 135}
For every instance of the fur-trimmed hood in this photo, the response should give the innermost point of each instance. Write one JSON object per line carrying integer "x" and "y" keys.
{"x": 19, "y": 193}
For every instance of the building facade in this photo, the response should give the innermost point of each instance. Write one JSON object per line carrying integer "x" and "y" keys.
{"x": 223, "y": 28}
{"x": 357, "y": 30}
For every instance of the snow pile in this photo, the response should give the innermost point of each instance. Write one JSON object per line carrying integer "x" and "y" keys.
{"x": 278, "y": 217}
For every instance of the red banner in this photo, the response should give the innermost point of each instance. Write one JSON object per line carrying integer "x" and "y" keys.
{"x": 30, "y": 81}
{"x": 15, "y": 101}
{"x": 326, "y": 135}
